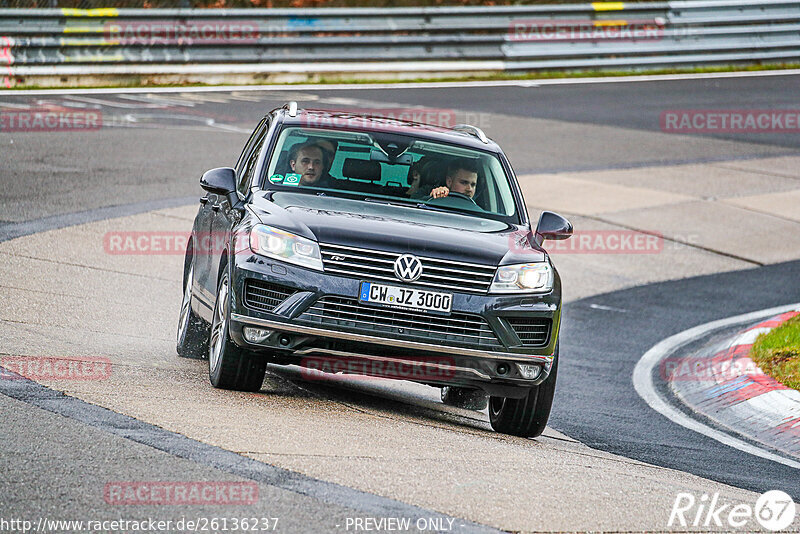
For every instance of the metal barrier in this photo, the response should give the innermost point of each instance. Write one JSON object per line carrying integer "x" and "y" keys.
{"x": 420, "y": 41}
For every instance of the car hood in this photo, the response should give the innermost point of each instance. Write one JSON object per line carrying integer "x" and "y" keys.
{"x": 400, "y": 229}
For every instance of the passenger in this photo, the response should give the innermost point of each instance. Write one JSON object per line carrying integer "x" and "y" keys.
{"x": 307, "y": 161}
{"x": 415, "y": 179}
{"x": 462, "y": 177}
{"x": 431, "y": 173}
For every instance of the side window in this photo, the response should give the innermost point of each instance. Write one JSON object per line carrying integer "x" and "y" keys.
{"x": 243, "y": 156}
{"x": 247, "y": 161}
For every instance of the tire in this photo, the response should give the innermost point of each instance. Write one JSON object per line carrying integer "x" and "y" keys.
{"x": 230, "y": 367}
{"x": 467, "y": 398}
{"x": 192, "y": 330}
{"x": 526, "y": 417}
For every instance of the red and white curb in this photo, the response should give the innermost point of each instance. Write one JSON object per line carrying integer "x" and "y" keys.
{"x": 723, "y": 384}
{"x": 729, "y": 388}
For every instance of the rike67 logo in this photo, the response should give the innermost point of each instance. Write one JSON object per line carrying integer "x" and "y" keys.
{"x": 774, "y": 510}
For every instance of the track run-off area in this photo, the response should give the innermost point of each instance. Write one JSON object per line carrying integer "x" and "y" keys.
{"x": 674, "y": 229}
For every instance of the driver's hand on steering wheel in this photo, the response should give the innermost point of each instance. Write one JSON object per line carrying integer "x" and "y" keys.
{"x": 440, "y": 192}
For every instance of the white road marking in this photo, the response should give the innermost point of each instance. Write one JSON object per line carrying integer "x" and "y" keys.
{"x": 11, "y": 105}
{"x": 236, "y": 95}
{"x": 109, "y": 103}
{"x": 643, "y": 381}
{"x": 199, "y": 97}
{"x": 161, "y": 101}
{"x": 405, "y": 85}
{"x": 607, "y": 308}
{"x": 749, "y": 337}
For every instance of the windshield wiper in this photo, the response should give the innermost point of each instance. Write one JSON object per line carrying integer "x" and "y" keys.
{"x": 403, "y": 203}
{"x": 391, "y": 202}
{"x": 376, "y": 200}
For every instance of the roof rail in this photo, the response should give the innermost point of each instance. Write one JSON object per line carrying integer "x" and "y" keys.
{"x": 292, "y": 107}
{"x": 472, "y": 130}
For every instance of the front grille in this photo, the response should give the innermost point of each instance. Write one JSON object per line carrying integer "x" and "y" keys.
{"x": 456, "y": 329}
{"x": 532, "y": 331}
{"x": 378, "y": 265}
{"x": 264, "y": 296}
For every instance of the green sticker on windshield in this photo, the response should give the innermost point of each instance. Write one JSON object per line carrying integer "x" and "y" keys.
{"x": 276, "y": 178}
{"x": 292, "y": 179}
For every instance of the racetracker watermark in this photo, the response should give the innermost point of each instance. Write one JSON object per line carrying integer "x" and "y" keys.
{"x": 6, "y": 43}
{"x": 549, "y": 30}
{"x": 181, "y": 493}
{"x": 362, "y": 117}
{"x": 595, "y": 242}
{"x": 707, "y": 369}
{"x": 50, "y": 120}
{"x": 774, "y": 510}
{"x": 184, "y": 32}
{"x": 730, "y": 121}
{"x": 47, "y": 368}
{"x": 323, "y": 367}
{"x": 169, "y": 243}
{"x": 184, "y": 524}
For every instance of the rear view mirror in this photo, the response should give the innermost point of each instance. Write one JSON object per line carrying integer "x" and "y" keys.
{"x": 377, "y": 155}
{"x": 552, "y": 226}
{"x": 221, "y": 181}
{"x": 397, "y": 159}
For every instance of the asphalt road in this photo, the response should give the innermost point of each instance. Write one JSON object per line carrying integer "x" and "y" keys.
{"x": 570, "y": 127}
{"x": 53, "y": 179}
{"x": 596, "y": 401}
{"x": 630, "y": 105}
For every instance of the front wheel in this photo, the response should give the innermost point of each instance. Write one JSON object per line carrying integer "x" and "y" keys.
{"x": 526, "y": 417}
{"x": 230, "y": 367}
{"x": 461, "y": 397}
{"x": 192, "y": 330}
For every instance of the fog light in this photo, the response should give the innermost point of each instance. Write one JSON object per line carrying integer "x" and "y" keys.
{"x": 529, "y": 371}
{"x": 256, "y": 335}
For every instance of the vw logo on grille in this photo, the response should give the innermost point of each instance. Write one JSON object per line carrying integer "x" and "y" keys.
{"x": 408, "y": 268}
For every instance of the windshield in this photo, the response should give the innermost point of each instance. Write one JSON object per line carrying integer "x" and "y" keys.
{"x": 393, "y": 168}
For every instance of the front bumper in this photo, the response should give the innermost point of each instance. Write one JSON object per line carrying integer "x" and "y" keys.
{"x": 392, "y": 353}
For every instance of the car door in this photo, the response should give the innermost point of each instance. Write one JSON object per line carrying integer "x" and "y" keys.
{"x": 225, "y": 216}
{"x": 204, "y": 300}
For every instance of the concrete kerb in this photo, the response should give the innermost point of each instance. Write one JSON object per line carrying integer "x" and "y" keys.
{"x": 725, "y": 386}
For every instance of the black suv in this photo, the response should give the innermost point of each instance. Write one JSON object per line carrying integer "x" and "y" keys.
{"x": 366, "y": 245}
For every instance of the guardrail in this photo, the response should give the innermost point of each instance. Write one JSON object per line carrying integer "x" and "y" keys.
{"x": 412, "y": 41}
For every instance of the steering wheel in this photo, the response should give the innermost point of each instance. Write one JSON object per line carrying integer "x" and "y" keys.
{"x": 456, "y": 200}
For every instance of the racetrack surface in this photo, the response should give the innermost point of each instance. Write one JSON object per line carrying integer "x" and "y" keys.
{"x": 150, "y": 151}
{"x": 606, "y": 345}
{"x": 618, "y": 306}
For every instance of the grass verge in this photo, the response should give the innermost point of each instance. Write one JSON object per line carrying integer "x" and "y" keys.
{"x": 777, "y": 353}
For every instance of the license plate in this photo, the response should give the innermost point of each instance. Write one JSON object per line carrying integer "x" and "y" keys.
{"x": 406, "y": 298}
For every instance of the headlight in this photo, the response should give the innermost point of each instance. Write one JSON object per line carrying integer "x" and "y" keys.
{"x": 284, "y": 246}
{"x": 523, "y": 278}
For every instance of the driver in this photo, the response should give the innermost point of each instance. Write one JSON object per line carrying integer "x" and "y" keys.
{"x": 307, "y": 161}
{"x": 462, "y": 177}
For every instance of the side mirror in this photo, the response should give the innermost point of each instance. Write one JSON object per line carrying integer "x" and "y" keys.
{"x": 221, "y": 181}
{"x": 552, "y": 226}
